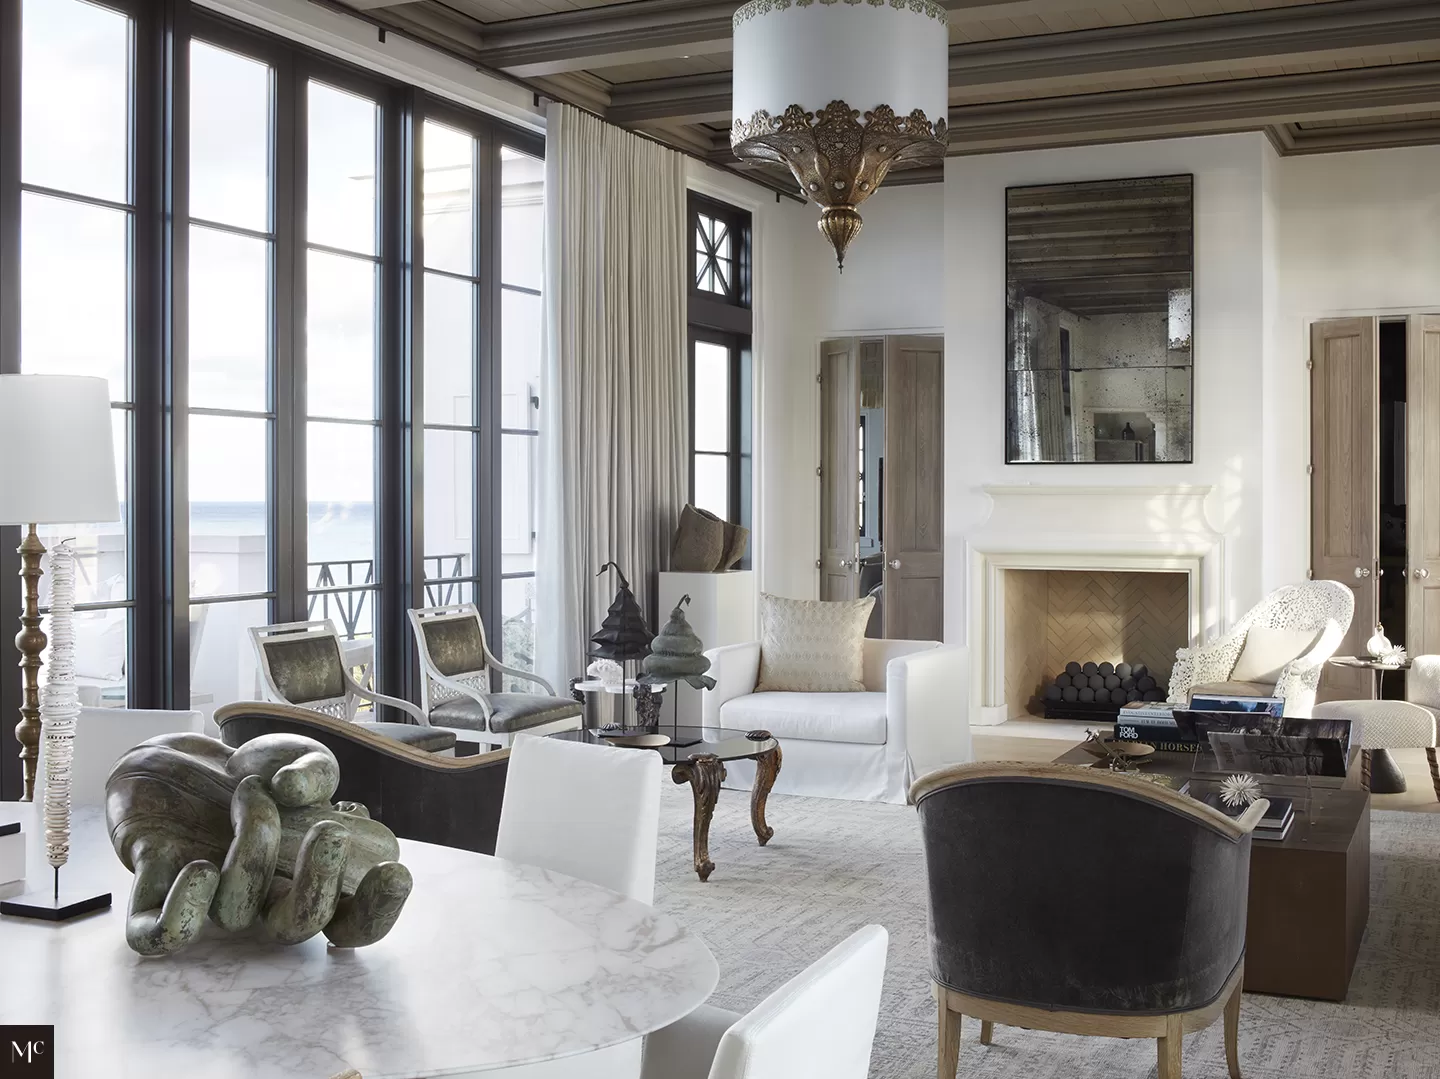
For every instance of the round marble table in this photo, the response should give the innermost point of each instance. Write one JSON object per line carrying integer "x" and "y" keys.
{"x": 492, "y": 964}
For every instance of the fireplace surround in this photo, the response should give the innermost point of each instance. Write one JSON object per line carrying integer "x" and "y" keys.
{"x": 1108, "y": 530}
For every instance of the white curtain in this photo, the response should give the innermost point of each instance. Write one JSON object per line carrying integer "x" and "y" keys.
{"x": 614, "y": 440}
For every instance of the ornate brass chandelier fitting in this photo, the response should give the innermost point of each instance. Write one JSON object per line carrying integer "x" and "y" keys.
{"x": 838, "y": 160}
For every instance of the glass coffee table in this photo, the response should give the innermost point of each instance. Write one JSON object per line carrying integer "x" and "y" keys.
{"x": 697, "y": 755}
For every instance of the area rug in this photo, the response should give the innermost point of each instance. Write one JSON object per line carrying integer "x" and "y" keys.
{"x": 832, "y": 867}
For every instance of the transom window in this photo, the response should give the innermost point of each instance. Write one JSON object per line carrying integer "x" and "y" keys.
{"x": 715, "y": 265}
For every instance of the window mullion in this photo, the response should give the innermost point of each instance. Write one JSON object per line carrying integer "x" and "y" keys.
{"x": 10, "y": 592}
{"x": 288, "y": 507}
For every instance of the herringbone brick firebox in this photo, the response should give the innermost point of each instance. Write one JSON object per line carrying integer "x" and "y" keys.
{"x": 1055, "y": 616}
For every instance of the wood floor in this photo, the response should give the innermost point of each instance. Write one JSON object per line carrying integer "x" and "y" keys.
{"x": 1420, "y": 797}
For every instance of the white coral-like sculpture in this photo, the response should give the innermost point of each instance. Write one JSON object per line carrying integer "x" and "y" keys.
{"x": 606, "y": 671}
{"x": 1239, "y": 791}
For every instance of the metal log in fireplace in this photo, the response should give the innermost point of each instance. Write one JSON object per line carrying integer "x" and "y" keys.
{"x": 1097, "y": 691}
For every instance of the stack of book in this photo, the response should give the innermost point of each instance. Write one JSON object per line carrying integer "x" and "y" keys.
{"x": 1275, "y": 824}
{"x": 1154, "y": 725}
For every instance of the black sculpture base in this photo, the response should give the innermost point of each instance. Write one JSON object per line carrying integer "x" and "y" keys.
{"x": 50, "y": 907}
{"x": 1385, "y": 774}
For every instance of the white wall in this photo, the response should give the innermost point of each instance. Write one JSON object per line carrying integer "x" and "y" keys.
{"x": 894, "y": 271}
{"x": 786, "y": 522}
{"x": 1228, "y": 358}
{"x": 1355, "y": 234}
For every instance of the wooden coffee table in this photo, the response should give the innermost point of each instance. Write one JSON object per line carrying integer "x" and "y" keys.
{"x": 1309, "y": 893}
{"x": 697, "y": 756}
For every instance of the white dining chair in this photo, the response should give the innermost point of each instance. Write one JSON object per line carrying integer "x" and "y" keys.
{"x": 820, "y": 1022}
{"x": 588, "y": 811}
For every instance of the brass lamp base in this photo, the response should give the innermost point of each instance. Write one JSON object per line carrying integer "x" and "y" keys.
{"x": 31, "y": 643}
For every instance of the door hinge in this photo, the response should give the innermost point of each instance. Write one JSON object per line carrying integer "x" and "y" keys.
{"x": 1309, "y": 365}
{"x": 819, "y": 470}
{"x": 1309, "y": 574}
{"x": 817, "y": 563}
{"x": 818, "y": 378}
{"x": 1309, "y": 470}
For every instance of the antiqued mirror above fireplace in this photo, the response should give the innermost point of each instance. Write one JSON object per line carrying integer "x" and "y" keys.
{"x": 1099, "y": 295}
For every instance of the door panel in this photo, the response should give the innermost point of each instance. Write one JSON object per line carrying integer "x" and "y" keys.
{"x": 1422, "y": 541}
{"x": 1345, "y": 460}
{"x": 914, "y": 489}
{"x": 839, "y": 467}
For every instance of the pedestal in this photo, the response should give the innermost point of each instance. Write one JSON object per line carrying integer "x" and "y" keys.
{"x": 12, "y": 855}
{"x": 722, "y": 610}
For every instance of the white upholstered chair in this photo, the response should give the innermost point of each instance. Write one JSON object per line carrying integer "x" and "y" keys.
{"x": 103, "y": 734}
{"x": 911, "y": 719}
{"x": 819, "y": 1023}
{"x": 1316, "y": 613}
{"x": 588, "y": 811}
{"x": 1422, "y": 687}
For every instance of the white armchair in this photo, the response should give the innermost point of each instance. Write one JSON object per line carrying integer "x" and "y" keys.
{"x": 911, "y": 719}
{"x": 1321, "y": 609}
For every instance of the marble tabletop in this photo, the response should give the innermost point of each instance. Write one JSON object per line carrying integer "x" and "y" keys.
{"x": 492, "y": 964}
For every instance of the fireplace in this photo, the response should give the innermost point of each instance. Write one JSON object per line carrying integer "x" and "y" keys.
{"x": 1090, "y": 574}
{"x": 1103, "y": 634}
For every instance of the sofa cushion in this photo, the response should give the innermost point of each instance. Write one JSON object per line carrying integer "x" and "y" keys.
{"x": 812, "y": 646}
{"x": 817, "y": 717}
{"x": 1267, "y": 651}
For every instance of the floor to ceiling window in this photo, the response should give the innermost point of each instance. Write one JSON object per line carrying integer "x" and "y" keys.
{"x": 231, "y": 351}
{"x": 522, "y": 261}
{"x": 720, "y": 369}
{"x": 241, "y": 278}
{"x": 342, "y": 289}
{"x": 77, "y": 211}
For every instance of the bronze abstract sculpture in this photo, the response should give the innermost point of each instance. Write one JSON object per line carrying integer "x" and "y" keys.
{"x": 248, "y": 836}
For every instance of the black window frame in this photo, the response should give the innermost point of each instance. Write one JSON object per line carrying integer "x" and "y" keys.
{"x": 158, "y": 540}
{"x": 726, "y": 321}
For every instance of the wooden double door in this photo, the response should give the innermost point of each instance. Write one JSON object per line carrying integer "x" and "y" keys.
{"x": 1346, "y": 491}
{"x": 882, "y": 480}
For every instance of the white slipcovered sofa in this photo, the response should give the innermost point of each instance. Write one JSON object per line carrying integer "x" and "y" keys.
{"x": 911, "y": 719}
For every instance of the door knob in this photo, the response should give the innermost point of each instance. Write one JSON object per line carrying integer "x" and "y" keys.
{"x": 1421, "y": 574}
{"x": 894, "y": 563}
{"x": 1361, "y": 573}
{"x": 845, "y": 563}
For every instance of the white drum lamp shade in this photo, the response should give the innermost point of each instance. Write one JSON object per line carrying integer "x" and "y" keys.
{"x": 862, "y": 54}
{"x": 57, "y": 460}
{"x": 841, "y": 91}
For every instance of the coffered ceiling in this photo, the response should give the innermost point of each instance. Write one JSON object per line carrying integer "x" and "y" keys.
{"x": 1315, "y": 75}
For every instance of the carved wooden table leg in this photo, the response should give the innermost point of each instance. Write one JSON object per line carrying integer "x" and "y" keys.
{"x": 704, "y": 772}
{"x": 767, "y": 767}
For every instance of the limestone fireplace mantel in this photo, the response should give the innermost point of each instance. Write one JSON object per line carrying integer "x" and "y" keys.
{"x": 1151, "y": 528}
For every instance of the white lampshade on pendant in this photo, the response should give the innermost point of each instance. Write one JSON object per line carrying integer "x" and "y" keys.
{"x": 841, "y": 91}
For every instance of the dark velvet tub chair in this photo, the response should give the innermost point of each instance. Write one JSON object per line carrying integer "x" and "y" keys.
{"x": 1080, "y": 901}
{"x": 453, "y": 801}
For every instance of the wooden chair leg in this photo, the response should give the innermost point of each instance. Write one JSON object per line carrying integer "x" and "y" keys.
{"x": 1232, "y": 1033}
{"x": 987, "y": 1030}
{"x": 949, "y": 1058}
{"x": 1168, "y": 1048}
{"x": 1434, "y": 771}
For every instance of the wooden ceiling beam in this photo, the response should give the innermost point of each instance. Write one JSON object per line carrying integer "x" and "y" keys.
{"x": 1203, "y": 108}
{"x": 1338, "y": 30}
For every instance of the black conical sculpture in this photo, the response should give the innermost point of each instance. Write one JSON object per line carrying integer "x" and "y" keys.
{"x": 623, "y": 635}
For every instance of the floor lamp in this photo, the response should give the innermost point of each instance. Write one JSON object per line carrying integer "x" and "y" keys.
{"x": 58, "y": 469}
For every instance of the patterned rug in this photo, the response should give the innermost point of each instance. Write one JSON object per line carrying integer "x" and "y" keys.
{"x": 835, "y": 866}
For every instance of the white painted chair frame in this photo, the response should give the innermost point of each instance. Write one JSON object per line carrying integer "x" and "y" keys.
{"x": 343, "y": 707}
{"x": 436, "y": 688}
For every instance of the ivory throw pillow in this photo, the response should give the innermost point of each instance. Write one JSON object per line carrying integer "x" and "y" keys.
{"x": 812, "y": 646}
{"x": 1267, "y": 651}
